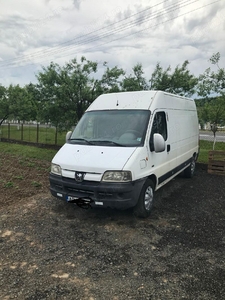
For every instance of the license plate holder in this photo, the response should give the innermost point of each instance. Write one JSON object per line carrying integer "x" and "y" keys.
{"x": 71, "y": 198}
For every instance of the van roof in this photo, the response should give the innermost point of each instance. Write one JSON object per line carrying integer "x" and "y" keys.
{"x": 134, "y": 100}
{"x": 124, "y": 100}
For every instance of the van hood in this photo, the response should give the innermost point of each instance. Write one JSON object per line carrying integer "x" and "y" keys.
{"x": 92, "y": 159}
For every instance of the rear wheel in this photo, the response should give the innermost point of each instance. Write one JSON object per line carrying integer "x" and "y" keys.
{"x": 189, "y": 172}
{"x": 145, "y": 201}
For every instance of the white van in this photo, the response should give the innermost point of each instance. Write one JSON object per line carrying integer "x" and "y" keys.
{"x": 125, "y": 147}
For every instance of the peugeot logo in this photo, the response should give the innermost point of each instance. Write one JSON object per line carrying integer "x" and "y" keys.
{"x": 79, "y": 177}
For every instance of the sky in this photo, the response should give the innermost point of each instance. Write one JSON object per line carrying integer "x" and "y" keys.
{"x": 121, "y": 33}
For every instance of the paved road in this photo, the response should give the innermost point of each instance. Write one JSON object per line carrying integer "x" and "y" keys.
{"x": 208, "y": 136}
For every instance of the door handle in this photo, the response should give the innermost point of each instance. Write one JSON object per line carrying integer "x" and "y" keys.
{"x": 168, "y": 148}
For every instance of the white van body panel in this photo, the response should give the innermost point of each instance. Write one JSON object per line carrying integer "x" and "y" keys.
{"x": 80, "y": 158}
{"x": 127, "y": 100}
{"x": 91, "y": 159}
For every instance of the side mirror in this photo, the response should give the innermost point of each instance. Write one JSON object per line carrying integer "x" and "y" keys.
{"x": 159, "y": 143}
{"x": 68, "y": 135}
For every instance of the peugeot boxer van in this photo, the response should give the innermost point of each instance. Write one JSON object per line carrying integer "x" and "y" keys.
{"x": 124, "y": 148}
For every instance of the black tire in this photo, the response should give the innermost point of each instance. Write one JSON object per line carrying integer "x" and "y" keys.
{"x": 189, "y": 172}
{"x": 145, "y": 201}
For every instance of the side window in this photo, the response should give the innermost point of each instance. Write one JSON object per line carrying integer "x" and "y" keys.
{"x": 159, "y": 125}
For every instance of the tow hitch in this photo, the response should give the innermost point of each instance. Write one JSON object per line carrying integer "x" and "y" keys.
{"x": 84, "y": 203}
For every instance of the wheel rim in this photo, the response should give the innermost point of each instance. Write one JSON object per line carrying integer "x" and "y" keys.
{"x": 148, "y": 198}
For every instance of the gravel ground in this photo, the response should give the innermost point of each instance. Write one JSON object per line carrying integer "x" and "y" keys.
{"x": 54, "y": 250}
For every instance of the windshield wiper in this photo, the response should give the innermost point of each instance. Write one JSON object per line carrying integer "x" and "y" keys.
{"x": 83, "y": 140}
{"x": 95, "y": 142}
{"x": 108, "y": 142}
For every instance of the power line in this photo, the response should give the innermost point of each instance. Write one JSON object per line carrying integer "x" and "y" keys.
{"x": 78, "y": 37}
{"x": 156, "y": 25}
{"x": 130, "y": 25}
{"x": 119, "y": 29}
{"x": 113, "y": 31}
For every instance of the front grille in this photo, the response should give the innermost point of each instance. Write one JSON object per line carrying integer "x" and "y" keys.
{"x": 104, "y": 195}
{"x": 81, "y": 192}
{"x": 57, "y": 187}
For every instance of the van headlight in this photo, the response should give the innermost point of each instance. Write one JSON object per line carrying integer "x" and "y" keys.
{"x": 56, "y": 169}
{"x": 117, "y": 176}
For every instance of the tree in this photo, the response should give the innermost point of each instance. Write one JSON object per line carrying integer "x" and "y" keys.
{"x": 111, "y": 80}
{"x": 16, "y": 103}
{"x": 211, "y": 86}
{"x": 180, "y": 81}
{"x": 20, "y": 103}
{"x": 65, "y": 92}
{"x": 4, "y": 109}
{"x": 202, "y": 108}
{"x": 212, "y": 83}
{"x": 135, "y": 81}
{"x": 160, "y": 79}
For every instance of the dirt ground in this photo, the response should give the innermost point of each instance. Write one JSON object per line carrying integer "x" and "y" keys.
{"x": 21, "y": 178}
{"x": 53, "y": 250}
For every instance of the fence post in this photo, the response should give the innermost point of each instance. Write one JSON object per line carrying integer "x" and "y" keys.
{"x": 22, "y": 132}
{"x": 37, "y": 133}
{"x": 56, "y": 135}
{"x": 8, "y": 130}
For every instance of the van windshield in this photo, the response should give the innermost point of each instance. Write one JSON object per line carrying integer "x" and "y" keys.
{"x": 125, "y": 128}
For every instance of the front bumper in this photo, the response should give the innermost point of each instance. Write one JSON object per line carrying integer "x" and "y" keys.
{"x": 113, "y": 195}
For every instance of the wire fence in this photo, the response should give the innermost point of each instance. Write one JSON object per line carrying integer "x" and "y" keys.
{"x": 44, "y": 134}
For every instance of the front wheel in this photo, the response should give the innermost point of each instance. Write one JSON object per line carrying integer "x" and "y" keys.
{"x": 189, "y": 172}
{"x": 145, "y": 201}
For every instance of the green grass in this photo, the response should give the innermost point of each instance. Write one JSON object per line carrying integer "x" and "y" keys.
{"x": 36, "y": 184}
{"x": 205, "y": 147}
{"x": 27, "y": 151}
{"x": 9, "y": 184}
{"x": 18, "y": 177}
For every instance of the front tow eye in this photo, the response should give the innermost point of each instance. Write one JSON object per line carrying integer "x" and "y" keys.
{"x": 84, "y": 203}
